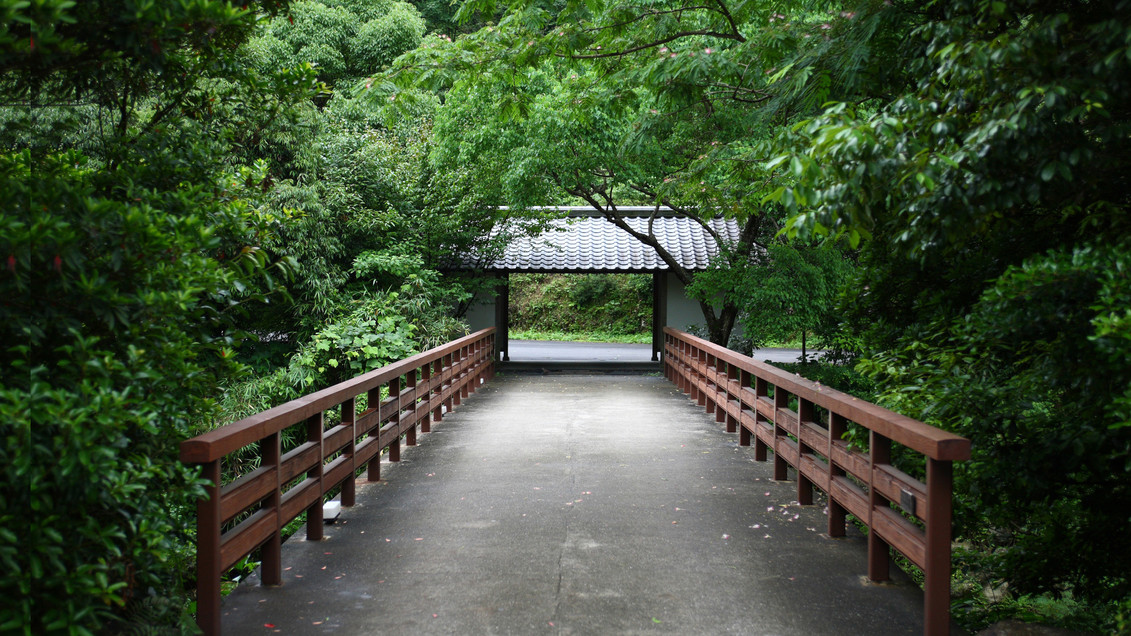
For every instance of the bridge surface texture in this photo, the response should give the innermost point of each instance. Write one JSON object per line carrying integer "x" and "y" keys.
{"x": 576, "y": 504}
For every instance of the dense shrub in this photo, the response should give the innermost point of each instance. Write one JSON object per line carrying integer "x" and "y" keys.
{"x": 618, "y": 304}
{"x": 129, "y": 244}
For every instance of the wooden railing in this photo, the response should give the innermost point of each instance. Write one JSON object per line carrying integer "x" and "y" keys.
{"x": 418, "y": 390}
{"x": 778, "y": 410}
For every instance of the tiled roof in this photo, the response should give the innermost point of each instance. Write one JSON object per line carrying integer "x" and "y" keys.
{"x": 590, "y": 243}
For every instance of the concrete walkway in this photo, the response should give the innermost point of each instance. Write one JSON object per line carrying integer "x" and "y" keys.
{"x": 575, "y": 504}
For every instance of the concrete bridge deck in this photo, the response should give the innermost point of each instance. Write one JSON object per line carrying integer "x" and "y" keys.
{"x": 576, "y": 504}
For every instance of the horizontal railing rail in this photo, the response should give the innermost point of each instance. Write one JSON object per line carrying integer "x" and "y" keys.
{"x": 778, "y": 411}
{"x": 399, "y": 397}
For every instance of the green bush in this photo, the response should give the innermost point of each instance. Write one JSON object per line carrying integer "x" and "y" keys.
{"x": 618, "y": 304}
{"x": 104, "y": 375}
{"x": 130, "y": 244}
{"x": 381, "y": 40}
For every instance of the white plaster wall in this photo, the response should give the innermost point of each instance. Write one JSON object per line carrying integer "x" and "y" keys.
{"x": 682, "y": 311}
{"x": 482, "y": 313}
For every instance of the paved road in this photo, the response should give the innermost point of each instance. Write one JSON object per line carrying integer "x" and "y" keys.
{"x": 576, "y": 504}
{"x": 547, "y": 351}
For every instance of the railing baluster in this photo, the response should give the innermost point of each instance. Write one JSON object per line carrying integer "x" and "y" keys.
{"x": 271, "y": 570}
{"x": 410, "y": 409}
{"x": 449, "y": 380}
{"x": 426, "y": 399}
{"x": 761, "y": 390}
{"x": 838, "y": 426}
{"x": 743, "y": 383}
{"x": 464, "y": 356}
{"x": 208, "y": 568}
{"x": 314, "y": 426}
{"x": 781, "y": 401}
{"x": 936, "y": 572}
{"x": 349, "y": 418}
{"x": 879, "y": 552}
{"x": 438, "y": 411}
{"x": 395, "y": 419}
{"x": 373, "y": 469}
{"x": 804, "y": 485}
{"x": 711, "y": 395}
{"x": 731, "y": 373}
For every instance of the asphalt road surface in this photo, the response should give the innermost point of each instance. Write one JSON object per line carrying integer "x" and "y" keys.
{"x": 548, "y": 351}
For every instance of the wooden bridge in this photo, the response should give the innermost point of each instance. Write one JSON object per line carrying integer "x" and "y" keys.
{"x": 601, "y": 505}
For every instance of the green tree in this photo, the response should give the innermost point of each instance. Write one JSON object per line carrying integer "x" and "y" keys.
{"x": 343, "y": 39}
{"x": 787, "y": 291}
{"x": 130, "y": 244}
{"x": 614, "y": 104}
{"x": 993, "y": 194}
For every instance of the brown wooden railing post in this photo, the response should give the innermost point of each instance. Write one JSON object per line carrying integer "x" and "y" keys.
{"x": 349, "y": 418}
{"x": 838, "y": 426}
{"x": 489, "y": 355}
{"x": 805, "y": 413}
{"x": 438, "y": 411}
{"x": 700, "y": 376}
{"x": 781, "y": 468}
{"x": 271, "y": 569}
{"x": 711, "y": 375}
{"x": 473, "y": 358}
{"x": 676, "y": 364}
{"x": 395, "y": 396}
{"x": 879, "y": 552}
{"x": 761, "y": 390}
{"x": 426, "y": 380}
{"x": 731, "y": 380}
{"x": 314, "y": 426}
{"x": 464, "y": 358}
{"x": 373, "y": 470}
{"x": 687, "y": 372}
{"x": 449, "y": 379}
{"x": 208, "y": 567}
{"x": 410, "y": 408}
{"x": 936, "y": 573}
{"x": 743, "y": 384}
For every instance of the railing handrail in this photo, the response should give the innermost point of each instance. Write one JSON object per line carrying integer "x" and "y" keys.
{"x": 229, "y": 438}
{"x": 924, "y": 438}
